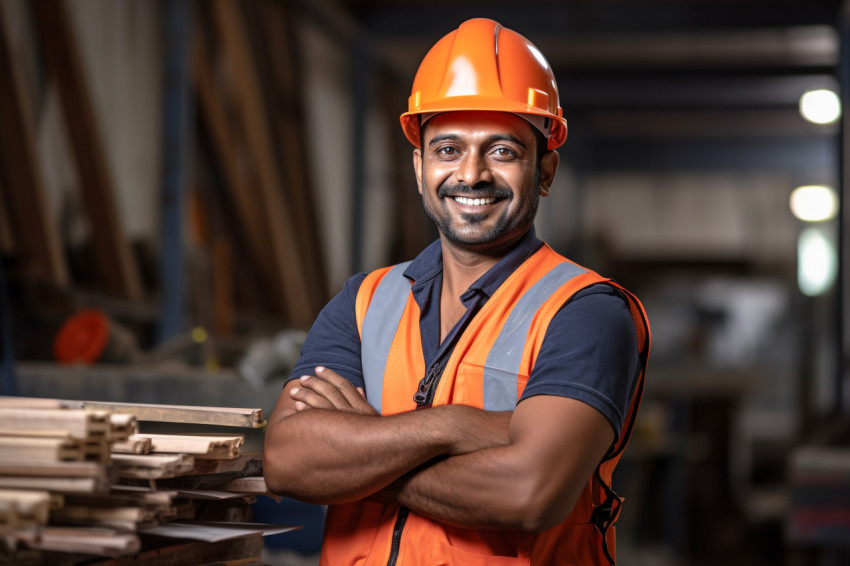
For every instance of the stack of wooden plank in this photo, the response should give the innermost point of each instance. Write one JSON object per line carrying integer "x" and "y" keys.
{"x": 77, "y": 478}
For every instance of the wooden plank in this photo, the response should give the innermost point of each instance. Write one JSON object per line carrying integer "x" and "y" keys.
{"x": 58, "y": 484}
{"x": 256, "y": 485}
{"x": 37, "y": 237}
{"x": 200, "y": 446}
{"x": 194, "y": 552}
{"x": 207, "y": 474}
{"x": 30, "y": 403}
{"x": 96, "y": 450}
{"x": 20, "y": 466}
{"x": 116, "y": 265}
{"x": 78, "y": 424}
{"x": 161, "y": 503}
{"x": 58, "y": 433}
{"x": 146, "y": 495}
{"x": 284, "y": 251}
{"x": 83, "y": 540}
{"x": 129, "y": 518}
{"x": 223, "y": 416}
{"x": 133, "y": 445}
{"x": 8, "y": 517}
{"x": 152, "y": 466}
{"x": 34, "y": 505}
{"x": 14, "y": 448}
{"x": 248, "y": 463}
{"x": 121, "y": 427}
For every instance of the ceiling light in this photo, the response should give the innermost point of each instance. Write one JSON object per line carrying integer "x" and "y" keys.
{"x": 820, "y": 106}
{"x": 814, "y": 203}
{"x": 817, "y": 262}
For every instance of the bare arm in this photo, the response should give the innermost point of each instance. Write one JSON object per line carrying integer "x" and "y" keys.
{"x": 340, "y": 450}
{"x": 532, "y": 483}
{"x": 550, "y": 448}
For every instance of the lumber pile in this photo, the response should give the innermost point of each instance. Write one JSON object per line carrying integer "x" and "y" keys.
{"x": 78, "y": 481}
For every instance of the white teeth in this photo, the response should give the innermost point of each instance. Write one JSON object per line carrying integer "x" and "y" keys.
{"x": 474, "y": 201}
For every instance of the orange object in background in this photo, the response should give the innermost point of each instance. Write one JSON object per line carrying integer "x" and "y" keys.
{"x": 83, "y": 338}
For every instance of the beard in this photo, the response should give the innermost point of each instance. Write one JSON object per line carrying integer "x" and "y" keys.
{"x": 470, "y": 232}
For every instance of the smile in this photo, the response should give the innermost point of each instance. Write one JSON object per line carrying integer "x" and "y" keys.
{"x": 475, "y": 201}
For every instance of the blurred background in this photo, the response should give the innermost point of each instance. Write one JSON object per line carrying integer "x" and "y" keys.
{"x": 200, "y": 177}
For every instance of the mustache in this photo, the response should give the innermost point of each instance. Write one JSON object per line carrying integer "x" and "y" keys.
{"x": 478, "y": 191}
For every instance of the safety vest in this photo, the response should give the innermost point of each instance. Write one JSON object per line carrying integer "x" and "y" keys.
{"x": 488, "y": 368}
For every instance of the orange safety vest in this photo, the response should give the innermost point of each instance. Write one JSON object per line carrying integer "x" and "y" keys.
{"x": 488, "y": 368}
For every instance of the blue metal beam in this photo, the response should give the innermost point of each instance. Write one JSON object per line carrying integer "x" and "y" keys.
{"x": 8, "y": 381}
{"x": 177, "y": 145}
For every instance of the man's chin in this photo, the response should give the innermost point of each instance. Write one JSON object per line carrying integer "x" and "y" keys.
{"x": 487, "y": 243}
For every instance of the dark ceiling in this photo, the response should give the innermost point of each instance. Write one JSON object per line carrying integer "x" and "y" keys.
{"x": 694, "y": 79}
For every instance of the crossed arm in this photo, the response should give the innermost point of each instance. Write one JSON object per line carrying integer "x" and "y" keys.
{"x": 325, "y": 444}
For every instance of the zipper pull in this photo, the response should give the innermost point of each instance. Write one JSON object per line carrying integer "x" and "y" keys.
{"x": 421, "y": 395}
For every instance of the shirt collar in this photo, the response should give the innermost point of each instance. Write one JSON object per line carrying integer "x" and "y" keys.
{"x": 429, "y": 264}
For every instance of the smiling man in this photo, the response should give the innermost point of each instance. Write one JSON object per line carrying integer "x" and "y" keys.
{"x": 469, "y": 406}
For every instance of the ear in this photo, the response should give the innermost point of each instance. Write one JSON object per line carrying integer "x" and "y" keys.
{"x": 417, "y": 167}
{"x": 548, "y": 168}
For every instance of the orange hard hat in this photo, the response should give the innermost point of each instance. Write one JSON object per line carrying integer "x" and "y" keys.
{"x": 484, "y": 66}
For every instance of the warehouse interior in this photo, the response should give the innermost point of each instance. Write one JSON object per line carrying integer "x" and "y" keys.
{"x": 206, "y": 175}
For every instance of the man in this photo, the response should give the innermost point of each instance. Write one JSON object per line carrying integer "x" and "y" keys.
{"x": 527, "y": 367}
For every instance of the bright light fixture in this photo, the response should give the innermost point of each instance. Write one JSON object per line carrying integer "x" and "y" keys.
{"x": 820, "y": 106}
{"x": 817, "y": 261}
{"x": 814, "y": 203}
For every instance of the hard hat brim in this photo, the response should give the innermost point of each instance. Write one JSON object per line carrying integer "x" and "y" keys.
{"x": 410, "y": 120}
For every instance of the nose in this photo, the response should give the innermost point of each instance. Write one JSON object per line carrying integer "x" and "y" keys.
{"x": 474, "y": 169}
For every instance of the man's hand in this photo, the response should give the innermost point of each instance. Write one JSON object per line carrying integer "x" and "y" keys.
{"x": 329, "y": 390}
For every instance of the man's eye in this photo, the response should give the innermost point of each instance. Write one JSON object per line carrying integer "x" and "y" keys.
{"x": 504, "y": 152}
{"x": 447, "y": 151}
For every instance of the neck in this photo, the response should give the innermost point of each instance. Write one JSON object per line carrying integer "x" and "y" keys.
{"x": 462, "y": 267}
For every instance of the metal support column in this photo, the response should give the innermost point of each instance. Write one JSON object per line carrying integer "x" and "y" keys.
{"x": 177, "y": 145}
{"x": 8, "y": 381}
{"x": 843, "y": 378}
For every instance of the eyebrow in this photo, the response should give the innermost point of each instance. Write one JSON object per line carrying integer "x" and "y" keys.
{"x": 494, "y": 138}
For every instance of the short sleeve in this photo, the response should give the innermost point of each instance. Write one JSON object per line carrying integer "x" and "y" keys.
{"x": 333, "y": 340}
{"x": 590, "y": 353}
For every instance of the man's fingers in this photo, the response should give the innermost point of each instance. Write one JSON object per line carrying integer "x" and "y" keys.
{"x": 347, "y": 394}
{"x": 335, "y": 392}
{"x": 330, "y": 391}
{"x": 307, "y": 399}
{"x": 343, "y": 385}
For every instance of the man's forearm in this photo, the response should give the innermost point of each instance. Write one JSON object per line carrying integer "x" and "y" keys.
{"x": 531, "y": 483}
{"x": 326, "y": 456}
{"x": 476, "y": 490}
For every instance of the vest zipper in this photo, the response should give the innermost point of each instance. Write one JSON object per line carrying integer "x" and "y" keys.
{"x": 424, "y": 396}
{"x": 400, "y": 520}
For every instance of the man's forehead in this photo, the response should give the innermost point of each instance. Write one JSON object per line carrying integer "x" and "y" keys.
{"x": 470, "y": 122}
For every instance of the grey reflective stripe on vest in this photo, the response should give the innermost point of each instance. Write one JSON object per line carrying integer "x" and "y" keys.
{"x": 379, "y": 328}
{"x": 501, "y": 371}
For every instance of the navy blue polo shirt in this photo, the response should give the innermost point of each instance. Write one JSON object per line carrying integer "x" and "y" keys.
{"x": 589, "y": 351}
